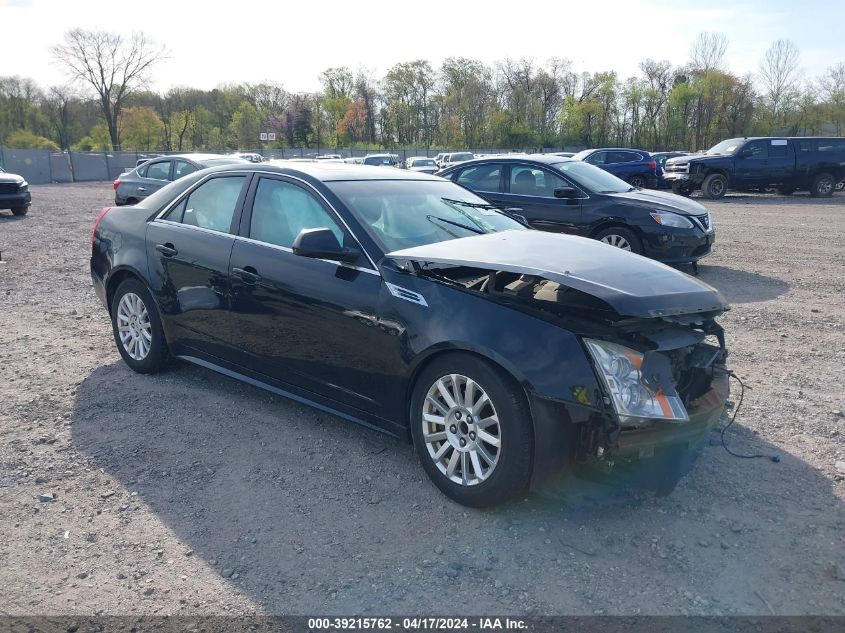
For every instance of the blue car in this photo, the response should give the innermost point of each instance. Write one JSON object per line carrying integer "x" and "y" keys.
{"x": 634, "y": 166}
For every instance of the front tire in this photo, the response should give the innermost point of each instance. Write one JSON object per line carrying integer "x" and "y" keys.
{"x": 472, "y": 430}
{"x": 137, "y": 329}
{"x": 823, "y": 186}
{"x": 19, "y": 211}
{"x": 715, "y": 186}
{"x": 682, "y": 189}
{"x": 620, "y": 237}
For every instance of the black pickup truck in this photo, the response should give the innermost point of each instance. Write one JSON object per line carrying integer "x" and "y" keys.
{"x": 813, "y": 163}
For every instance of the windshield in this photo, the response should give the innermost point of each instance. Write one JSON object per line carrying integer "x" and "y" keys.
{"x": 425, "y": 162}
{"x": 457, "y": 157}
{"x": 592, "y": 178}
{"x": 725, "y": 147}
{"x": 405, "y": 213}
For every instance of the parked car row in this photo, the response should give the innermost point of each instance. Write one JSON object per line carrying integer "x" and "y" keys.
{"x": 408, "y": 303}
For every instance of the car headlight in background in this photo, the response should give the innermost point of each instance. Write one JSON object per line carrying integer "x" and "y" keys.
{"x": 619, "y": 368}
{"x": 671, "y": 219}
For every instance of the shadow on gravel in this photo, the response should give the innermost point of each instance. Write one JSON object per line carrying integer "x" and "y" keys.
{"x": 739, "y": 286}
{"x": 8, "y": 217}
{"x": 310, "y": 514}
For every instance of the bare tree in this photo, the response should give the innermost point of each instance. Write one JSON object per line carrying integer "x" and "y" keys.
{"x": 57, "y": 107}
{"x": 112, "y": 65}
{"x": 708, "y": 51}
{"x": 780, "y": 75}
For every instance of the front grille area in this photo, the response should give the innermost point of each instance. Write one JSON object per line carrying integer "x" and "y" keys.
{"x": 703, "y": 220}
{"x": 684, "y": 168}
{"x": 8, "y": 187}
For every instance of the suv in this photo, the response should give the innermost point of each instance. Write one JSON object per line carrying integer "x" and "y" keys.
{"x": 812, "y": 163}
{"x": 634, "y": 166}
{"x": 454, "y": 158}
{"x": 14, "y": 193}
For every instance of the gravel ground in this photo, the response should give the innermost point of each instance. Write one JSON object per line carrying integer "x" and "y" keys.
{"x": 190, "y": 493}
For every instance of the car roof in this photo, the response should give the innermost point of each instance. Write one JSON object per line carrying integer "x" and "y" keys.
{"x": 547, "y": 159}
{"x": 328, "y": 172}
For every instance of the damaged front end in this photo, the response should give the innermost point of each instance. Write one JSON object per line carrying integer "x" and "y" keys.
{"x": 648, "y": 331}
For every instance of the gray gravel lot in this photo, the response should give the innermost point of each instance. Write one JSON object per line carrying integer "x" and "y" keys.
{"x": 188, "y": 493}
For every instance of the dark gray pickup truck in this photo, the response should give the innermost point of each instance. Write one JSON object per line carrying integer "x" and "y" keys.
{"x": 815, "y": 164}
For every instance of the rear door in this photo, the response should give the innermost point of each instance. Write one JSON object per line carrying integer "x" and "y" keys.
{"x": 153, "y": 177}
{"x": 531, "y": 188}
{"x": 188, "y": 250}
{"x": 485, "y": 180}
{"x": 307, "y": 322}
{"x": 781, "y": 165}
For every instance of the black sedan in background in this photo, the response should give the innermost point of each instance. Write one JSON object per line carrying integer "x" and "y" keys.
{"x": 570, "y": 196}
{"x": 14, "y": 193}
{"x": 403, "y": 302}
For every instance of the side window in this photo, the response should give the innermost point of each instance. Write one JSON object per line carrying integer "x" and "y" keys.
{"x": 211, "y": 205}
{"x": 599, "y": 158}
{"x": 758, "y": 149}
{"x": 281, "y": 210}
{"x": 182, "y": 168}
{"x": 531, "y": 181}
{"x": 777, "y": 148}
{"x": 158, "y": 171}
{"x": 481, "y": 177}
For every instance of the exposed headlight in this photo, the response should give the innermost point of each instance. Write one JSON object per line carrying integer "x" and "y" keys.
{"x": 671, "y": 219}
{"x": 23, "y": 184}
{"x": 619, "y": 368}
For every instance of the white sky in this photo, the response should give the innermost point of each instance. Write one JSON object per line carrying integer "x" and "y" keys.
{"x": 291, "y": 42}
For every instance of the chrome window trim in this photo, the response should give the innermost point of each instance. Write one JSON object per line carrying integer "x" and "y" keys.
{"x": 561, "y": 177}
{"x": 178, "y": 200}
{"x": 285, "y": 249}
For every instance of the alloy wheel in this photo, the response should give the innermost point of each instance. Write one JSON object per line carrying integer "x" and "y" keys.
{"x": 461, "y": 429}
{"x": 133, "y": 326}
{"x": 826, "y": 186}
{"x": 618, "y": 241}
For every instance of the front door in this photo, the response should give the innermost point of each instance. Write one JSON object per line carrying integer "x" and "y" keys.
{"x": 531, "y": 188}
{"x": 188, "y": 252}
{"x": 307, "y": 322}
{"x": 753, "y": 170}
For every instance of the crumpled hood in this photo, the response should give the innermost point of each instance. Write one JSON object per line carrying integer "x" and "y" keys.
{"x": 662, "y": 201}
{"x": 632, "y": 285}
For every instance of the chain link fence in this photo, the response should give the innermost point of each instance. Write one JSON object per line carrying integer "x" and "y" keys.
{"x": 45, "y": 166}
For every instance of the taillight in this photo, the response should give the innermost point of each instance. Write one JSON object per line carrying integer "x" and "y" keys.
{"x": 116, "y": 184}
{"x": 652, "y": 164}
{"x": 101, "y": 215}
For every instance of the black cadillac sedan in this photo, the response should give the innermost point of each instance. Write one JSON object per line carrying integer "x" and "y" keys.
{"x": 403, "y": 302}
{"x": 570, "y": 196}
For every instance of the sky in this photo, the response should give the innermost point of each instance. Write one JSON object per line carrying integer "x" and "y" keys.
{"x": 290, "y": 43}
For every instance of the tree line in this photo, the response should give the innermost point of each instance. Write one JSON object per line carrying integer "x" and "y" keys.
{"x": 463, "y": 103}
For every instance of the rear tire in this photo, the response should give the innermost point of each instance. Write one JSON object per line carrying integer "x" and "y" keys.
{"x": 510, "y": 473}
{"x": 131, "y": 201}
{"x": 137, "y": 328}
{"x": 715, "y": 186}
{"x": 620, "y": 237}
{"x": 638, "y": 181}
{"x": 19, "y": 211}
{"x": 823, "y": 186}
{"x": 786, "y": 191}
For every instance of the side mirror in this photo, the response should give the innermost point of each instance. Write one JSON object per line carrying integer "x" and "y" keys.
{"x": 746, "y": 153}
{"x": 565, "y": 192}
{"x": 321, "y": 243}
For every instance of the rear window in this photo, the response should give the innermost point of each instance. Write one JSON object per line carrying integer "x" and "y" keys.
{"x": 463, "y": 156}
